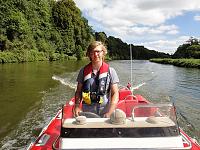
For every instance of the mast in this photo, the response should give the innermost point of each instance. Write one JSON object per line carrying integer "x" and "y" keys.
{"x": 131, "y": 64}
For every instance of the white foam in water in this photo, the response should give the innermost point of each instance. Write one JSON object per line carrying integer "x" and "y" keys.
{"x": 137, "y": 86}
{"x": 9, "y": 144}
{"x": 64, "y": 81}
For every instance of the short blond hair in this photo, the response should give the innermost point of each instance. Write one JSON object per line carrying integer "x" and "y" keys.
{"x": 93, "y": 45}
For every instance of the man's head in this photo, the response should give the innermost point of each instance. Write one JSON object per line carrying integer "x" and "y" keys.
{"x": 96, "y": 50}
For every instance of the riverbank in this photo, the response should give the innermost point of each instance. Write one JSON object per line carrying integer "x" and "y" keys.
{"x": 32, "y": 56}
{"x": 188, "y": 63}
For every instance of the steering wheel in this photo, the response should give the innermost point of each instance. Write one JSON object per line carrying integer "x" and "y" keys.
{"x": 89, "y": 115}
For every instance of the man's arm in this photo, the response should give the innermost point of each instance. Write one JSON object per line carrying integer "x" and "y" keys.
{"x": 78, "y": 98}
{"x": 114, "y": 99}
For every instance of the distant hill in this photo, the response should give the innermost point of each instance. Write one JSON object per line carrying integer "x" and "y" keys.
{"x": 118, "y": 49}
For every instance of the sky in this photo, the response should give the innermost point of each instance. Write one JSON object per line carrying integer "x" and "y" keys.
{"x": 160, "y": 25}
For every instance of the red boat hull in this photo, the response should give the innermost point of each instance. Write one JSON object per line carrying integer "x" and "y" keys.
{"x": 52, "y": 131}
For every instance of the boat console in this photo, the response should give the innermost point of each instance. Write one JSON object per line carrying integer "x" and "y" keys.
{"x": 151, "y": 126}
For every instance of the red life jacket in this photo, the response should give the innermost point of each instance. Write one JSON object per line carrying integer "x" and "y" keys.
{"x": 102, "y": 79}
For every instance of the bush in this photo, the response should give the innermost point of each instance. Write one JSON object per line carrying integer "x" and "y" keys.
{"x": 7, "y": 57}
{"x": 22, "y": 56}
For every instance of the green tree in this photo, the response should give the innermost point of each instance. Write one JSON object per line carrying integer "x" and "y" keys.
{"x": 194, "y": 51}
{"x": 79, "y": 52}
{"x": 74, "y": 28}
{"x": 101, "y": 36}
{"x": 190, "y": 49}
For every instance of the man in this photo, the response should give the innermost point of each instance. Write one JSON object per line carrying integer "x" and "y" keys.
{"x": 97, "y": 86}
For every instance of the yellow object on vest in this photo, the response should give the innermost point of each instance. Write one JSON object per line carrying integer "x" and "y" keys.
{"x": 101, "y": 100}
{"x": 86, "y": 97}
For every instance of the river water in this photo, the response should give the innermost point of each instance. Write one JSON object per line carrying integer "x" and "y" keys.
{"x": 32, "y": 93}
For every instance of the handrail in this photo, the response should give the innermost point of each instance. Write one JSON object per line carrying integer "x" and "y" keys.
{"x": 54, "y": 144}
{"x": 186, "y": 140}
{"x": 135, "y": 98}
{"x": 154, "y": 105}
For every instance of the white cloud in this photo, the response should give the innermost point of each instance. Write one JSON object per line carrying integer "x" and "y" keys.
{"x": 170, "y": 46}
{"x": 166, "y": 46}
{"x": 137, "y": 19}
{"x": 197, "y": 18}
{"x": 141, "y": 32}
{"x": 88, "y": 5}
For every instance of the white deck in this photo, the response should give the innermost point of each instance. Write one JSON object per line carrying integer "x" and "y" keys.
{"x": 122, "y": 143}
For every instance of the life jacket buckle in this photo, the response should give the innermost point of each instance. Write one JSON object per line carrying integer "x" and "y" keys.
{"x": 94, "y": 97}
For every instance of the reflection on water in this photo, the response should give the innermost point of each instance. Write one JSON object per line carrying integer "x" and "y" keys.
{"x": 31, "y": 94}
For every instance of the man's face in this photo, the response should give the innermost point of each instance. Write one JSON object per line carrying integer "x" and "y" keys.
{"x": 96, "y": 54}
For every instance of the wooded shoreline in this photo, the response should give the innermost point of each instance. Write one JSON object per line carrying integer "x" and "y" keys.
{"x": 56, "y": 30}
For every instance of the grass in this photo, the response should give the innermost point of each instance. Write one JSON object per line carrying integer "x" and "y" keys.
{"x": 189, "y": 63}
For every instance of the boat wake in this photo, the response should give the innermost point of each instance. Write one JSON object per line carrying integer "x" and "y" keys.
{"x": 37, "y": 118}
{"x": 68, "y": 82}
{"x": 137, "y": 86}
{"x": 185, "y": 124}
{"x": 64, "y": 81}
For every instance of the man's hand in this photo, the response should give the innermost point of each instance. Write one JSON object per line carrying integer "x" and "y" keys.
{"x": 76, "y": 111}
{"x": 106, "y": 115}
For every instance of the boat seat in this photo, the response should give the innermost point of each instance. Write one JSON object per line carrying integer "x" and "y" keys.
{"x": 127, "y": 104}
{"x": 123, "y": 93}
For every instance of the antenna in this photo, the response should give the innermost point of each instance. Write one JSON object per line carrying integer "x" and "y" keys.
{"x": 131, "y": 64}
